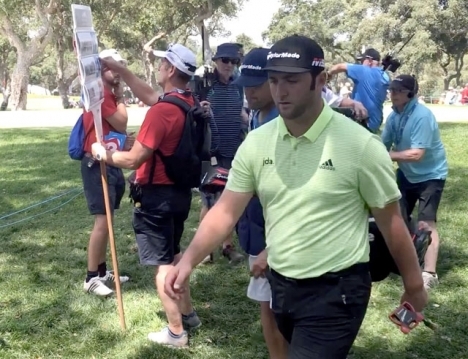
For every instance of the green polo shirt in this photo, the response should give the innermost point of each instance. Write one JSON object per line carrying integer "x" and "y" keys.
{"x": 315, "y": 191}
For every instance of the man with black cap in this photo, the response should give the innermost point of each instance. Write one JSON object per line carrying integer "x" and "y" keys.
{"x": 370, "y": 84}
{"x": 316, "y": 175}
{"x": 412, "y": 136}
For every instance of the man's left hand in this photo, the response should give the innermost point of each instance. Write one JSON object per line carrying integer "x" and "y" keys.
{"x": 98, "y": 151}
{"x": 359, "y": 110}
{"x": 129, "y": 141}
{"x": 418, "y": 299}
{"x": 260, "y": 265}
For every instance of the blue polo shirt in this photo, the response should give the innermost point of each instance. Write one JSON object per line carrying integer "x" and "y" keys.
{"x": 370, "y": 88}
{"x": 226, "y": 102}
{"x": 416, "y": 127}
{"x": 251, "y": 225}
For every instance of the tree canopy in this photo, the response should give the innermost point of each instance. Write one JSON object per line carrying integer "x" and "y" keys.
{"x": 436, "y": 36}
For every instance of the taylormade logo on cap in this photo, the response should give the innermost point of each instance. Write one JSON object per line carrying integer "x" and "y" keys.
{"x": 283, "y": 55}
{"x": 318, "y": 62}
{"x": 250, "y": 67}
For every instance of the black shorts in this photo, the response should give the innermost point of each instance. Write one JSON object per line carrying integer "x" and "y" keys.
{"x": 428, "y": 195}
{"x": 159, "y": 223}
{"x": 320, "y": 317}
{"x": 92, "y": 185}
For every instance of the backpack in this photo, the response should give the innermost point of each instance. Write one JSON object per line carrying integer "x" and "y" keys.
{"x": 184, "y": 166}
{"x": 76, "y": 140}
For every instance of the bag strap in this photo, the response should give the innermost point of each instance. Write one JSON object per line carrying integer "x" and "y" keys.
{"x": 184, "y": 106}
{"x": 178, "y": 102}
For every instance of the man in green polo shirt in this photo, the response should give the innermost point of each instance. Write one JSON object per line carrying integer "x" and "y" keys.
{"x": 316, "y": 174}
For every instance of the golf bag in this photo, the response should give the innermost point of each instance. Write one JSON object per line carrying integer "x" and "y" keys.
{"x": 381, "y": 262}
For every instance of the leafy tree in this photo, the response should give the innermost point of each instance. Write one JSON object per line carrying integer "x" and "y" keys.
{"x": 247, "y": 41}
{"x": 28, "y": 28}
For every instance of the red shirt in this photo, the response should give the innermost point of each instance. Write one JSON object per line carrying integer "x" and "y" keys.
{"x": 161, "y": 130}
{"x": 465, "y": 95}
{"x": 108, "y": 108}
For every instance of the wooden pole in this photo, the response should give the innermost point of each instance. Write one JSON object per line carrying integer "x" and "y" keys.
{"x": 110, "y": 226}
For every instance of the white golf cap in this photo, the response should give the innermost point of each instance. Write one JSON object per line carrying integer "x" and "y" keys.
{"x": 180, "y": 57}
{"x": 113, "y": 54}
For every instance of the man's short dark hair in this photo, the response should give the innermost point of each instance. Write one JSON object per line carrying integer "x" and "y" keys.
{"x": 182, "y": 76}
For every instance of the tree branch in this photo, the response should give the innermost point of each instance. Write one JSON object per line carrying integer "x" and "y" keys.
{"x": 7, "y": 30}
{"x": 148, "y": 46}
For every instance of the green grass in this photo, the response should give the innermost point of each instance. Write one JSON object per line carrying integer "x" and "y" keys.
{"x": 45, "y": 314}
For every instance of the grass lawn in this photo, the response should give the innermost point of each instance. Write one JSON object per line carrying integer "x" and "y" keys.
{"x": 45, "y": 314}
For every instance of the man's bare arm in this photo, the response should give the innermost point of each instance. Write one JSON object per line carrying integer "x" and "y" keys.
{"x": 400, "y": 245}
{"x": 139, "y": 87}
{"x": 411, "y": 155}
{"x": 216, "y": 226}
{"x": 119, "y": 119}
{"x": 338, "y": 68}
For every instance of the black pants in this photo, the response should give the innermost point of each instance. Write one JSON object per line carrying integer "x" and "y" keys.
{"x": 428, "y": 195}
{"x": 320, "y": 317}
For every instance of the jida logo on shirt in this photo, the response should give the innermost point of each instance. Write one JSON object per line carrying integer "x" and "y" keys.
{"x": 267, "y": 161}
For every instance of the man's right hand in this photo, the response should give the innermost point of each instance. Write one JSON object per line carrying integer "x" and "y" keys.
{"x": 206, "y": 106}
{"x": 176, "y": 280}
{"x": 110, "y": 64}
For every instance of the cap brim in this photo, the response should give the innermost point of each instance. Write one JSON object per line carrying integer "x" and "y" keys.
{"x": 159, "y": 53}
{"x": 287, "y": 69}
{"x": 397, "y": 87}
{"x": 250, "y": 81}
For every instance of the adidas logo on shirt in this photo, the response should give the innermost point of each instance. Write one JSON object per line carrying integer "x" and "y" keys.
{"x": 327, "y": 165}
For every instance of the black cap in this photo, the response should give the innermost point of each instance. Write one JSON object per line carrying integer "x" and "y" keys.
{"x": 405, "y": 82}
{"x": 295, "y": 54}
{"x": 371, "y": 54}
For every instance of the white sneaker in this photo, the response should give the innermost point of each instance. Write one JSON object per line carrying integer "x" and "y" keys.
{"x": 430, "y": 280}
{"x": 97, "y": 287}
{"x": 110, "y": 278}
{"x": 164, "y": 338}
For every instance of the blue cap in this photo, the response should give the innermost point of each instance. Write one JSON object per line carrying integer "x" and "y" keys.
{"x": 227, "y": 50}
{"x": 252, "y": 70}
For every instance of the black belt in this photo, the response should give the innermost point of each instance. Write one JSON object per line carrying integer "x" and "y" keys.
{"x": 359, "y": 268}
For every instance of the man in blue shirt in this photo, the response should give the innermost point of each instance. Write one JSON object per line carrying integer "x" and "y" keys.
{"x": 370, "y": 84}
{"x": 251, "y": 226}
{"x": 412, "y": 135}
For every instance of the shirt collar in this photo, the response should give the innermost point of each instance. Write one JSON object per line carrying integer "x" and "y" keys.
{"x": 315, "y": 130}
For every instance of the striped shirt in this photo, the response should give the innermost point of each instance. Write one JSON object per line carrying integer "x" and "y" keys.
{"x": 226, "y": 102}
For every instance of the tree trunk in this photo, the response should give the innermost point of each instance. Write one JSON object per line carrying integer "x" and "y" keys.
{"x": 150, "y": 75}
{"x": 62, "y": 83}
{"x": 207, "y": 53}
{"x": 6, "y": 97}
{"x": 459, "y": 67}
{"x": 19, "y": 83}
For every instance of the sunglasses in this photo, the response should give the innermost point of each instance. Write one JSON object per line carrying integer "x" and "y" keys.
{"x": 227, "y": 60}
